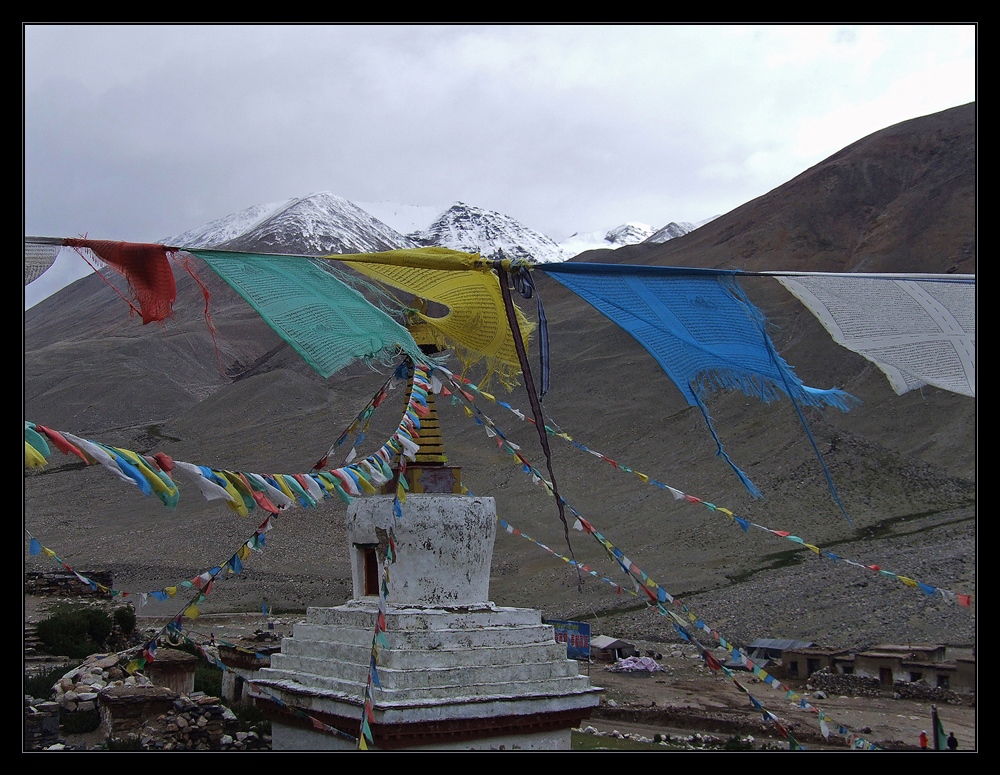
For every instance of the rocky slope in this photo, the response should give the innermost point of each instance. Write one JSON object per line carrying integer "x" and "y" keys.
{"x": 905, "y": 466}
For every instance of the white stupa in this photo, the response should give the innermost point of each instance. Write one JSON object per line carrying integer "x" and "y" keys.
{"x": 453, "y": 670}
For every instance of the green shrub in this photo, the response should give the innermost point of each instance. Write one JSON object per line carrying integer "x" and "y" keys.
{"x": 208, "y": 679}
{"x": 75, "y": 631}
{"x": 125, "y": 619}
{"x": 40, "y": 685}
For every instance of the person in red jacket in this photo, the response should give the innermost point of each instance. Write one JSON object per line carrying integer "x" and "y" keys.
{"x": 923, "y": 740}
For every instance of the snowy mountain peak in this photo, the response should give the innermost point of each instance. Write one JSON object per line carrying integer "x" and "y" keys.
{"x": 630, "y": 233}
{"x": 671, "y": 231}
{"x": 224, "y": 229}
{"x": 326, "y": 223}
{"x": 626, "y": 234}
{"x": 477, "y": 230}
{"x": 318, "y": 223}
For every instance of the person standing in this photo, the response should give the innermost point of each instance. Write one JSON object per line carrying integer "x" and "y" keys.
{"x": 923, "y": 740}
{"x": 952, "y": 742}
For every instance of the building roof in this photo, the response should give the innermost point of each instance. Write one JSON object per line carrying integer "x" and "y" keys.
{"x": 885, "y": 647}
{"x": 606, "y": 642}
{"x": 780, "y": 644}
{"x": 820, "y": 651}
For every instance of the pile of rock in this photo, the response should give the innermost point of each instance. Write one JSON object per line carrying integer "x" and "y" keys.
{"x": 918, "y": 690}
{"x": 78, "y": 689}
{"x": 826, "y": 680}
{"x": 198, "y": 723}
{"x": 136, "y": 713}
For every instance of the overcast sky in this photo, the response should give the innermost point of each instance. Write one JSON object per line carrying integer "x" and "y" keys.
{"x": 143, "y": 132}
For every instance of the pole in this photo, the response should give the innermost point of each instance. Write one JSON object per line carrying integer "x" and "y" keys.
{"x": 934, "y": 727}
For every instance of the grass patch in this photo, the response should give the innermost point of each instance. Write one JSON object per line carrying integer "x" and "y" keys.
{"x": 581, "y": 741}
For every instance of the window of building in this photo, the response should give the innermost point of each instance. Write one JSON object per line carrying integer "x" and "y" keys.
{"x": 942, "y": 681}
{"x": 793, "y": 669}
{"x": 915, "y": 676}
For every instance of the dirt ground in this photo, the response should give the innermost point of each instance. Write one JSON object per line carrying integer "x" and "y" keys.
{"x": 688, "y": 698}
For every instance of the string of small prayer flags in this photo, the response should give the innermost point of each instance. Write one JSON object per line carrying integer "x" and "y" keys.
{"x": 244, "y": 491}
{"x": 681, "y": 626}
{"x": 657, "y": 595}
{"x": 363, "y": 418}
{"x": 379, "y": 642}
{"x": 586, "y": 569}
{"x": 146, "y": 653}
{"x": 203, "y": 582}
{"x": 929, "y": 590}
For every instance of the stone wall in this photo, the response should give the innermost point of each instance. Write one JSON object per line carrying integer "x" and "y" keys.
{"x": 918, "y": 690}
{"x": 174, "y": 723}
{"x": 831, "y": 682}
{"x": 136, "y": 714}
{"x": 41, "y": 723}
{"x": 65, "y": 584}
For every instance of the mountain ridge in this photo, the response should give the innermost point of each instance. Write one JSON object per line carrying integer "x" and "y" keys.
{"x": 905, "y": 466}
{"x": 317, "y": 224}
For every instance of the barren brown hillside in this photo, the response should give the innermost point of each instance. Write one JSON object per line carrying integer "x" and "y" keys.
{"x": 901, "y": 200}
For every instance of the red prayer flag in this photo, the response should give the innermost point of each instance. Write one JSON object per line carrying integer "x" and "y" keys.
{"x": 145, "y": 267}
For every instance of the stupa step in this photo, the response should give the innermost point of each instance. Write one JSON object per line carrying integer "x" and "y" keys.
{"x": 436, "y": 675}
{"x": 363, "y": 615}
{"x": 399, "y": 709}
{"x": 401, "y": 658}
{"x": 444, "y": 640}
{"x": 305, "y": 683}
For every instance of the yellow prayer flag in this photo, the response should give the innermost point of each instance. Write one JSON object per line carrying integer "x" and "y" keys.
{"x": 367, "y": 486}
{"x": 32, "y": 457}
{"x": 475, "y": 326}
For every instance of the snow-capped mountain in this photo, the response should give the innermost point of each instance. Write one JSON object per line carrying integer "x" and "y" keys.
{"x": 318, "y": 223}
{"x": 224, "y": 229}
{"x": 630, "y": 233}
{"x": 670, "y": 231}
{"x": 327, "y": 223}
{"x": 476, "y": 230}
